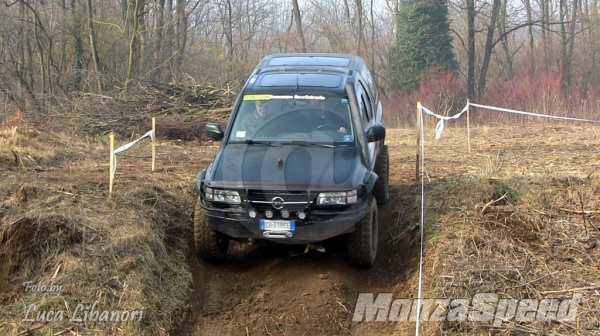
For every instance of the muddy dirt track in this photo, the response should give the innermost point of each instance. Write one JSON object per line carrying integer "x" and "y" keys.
{"x": 282, "y": 290}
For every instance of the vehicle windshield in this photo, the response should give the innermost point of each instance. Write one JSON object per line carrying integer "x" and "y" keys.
{"x": 294, "y": 119}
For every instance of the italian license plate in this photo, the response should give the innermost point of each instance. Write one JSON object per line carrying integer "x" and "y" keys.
{"x": 277, "y": 225}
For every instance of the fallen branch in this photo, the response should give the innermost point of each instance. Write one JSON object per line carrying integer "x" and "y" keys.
{"x": 580, "y": 212}
{"x": 17, "y": 157}
{"x": 571, "y": 290}
{"x": 530, "y": 282}
{"x": 493, "y": 202}
{"x": 29, "y": 330}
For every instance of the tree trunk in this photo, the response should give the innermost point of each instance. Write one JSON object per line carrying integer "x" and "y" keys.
{"x": 530, "y": 33}
{"x": 93, "y": 46}
{"x": 228, "y": 30}
{"x": 563, "y": 48}
{"x": 489, "y": 45}
{"x": 471, "y": 49}
{"x": 158, "y": 28}
{"x": 359, "y": 15}
{"x": 133, "y": 59}
{"x": 569, "y": 41}
{"x": 169, "y": 36}
{"x": 181, "y": 31}
{"x": 77, "y": 46}
{"x": 299, "y": 25}
{"x": 505, "y": 42}
{"x": 372, "y": 38}
{"x": 546, "y": 36}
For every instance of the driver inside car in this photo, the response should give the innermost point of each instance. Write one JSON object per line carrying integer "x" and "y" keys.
{"x": 326, "y": 117}
{"x": 258, "y": 122}
{"x": 256, "y": 118}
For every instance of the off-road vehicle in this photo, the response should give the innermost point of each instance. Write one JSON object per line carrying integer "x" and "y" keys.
{"x": 302, "y": 159}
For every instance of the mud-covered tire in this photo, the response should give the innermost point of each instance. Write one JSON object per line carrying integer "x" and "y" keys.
{"x": 210, "y": 244}
{"x": 362, "y": 243}
{"x": 382, "y": 169}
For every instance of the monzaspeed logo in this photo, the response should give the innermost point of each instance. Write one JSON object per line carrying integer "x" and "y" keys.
{"x": 483, "y": 307}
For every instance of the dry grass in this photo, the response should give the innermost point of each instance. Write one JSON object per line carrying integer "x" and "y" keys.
{"x": 519, "y": 217}
{"x": 57, "y": 223}
{"x": 535, "y": 245}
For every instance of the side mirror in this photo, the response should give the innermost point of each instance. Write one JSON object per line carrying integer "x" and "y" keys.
{"x": 213, "y": 130}
{"x": 376, "y": 133}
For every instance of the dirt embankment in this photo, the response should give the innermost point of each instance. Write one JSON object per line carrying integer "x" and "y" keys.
{"x": 516, "y": 217}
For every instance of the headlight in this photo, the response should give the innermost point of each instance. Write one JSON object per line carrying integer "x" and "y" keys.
{"x": 208, "y": 193}
{"x": 336, "y": 198}
{"x": 221, "y": 195}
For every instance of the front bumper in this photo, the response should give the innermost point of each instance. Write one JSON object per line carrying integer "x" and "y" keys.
{"x": 319, "y": 224}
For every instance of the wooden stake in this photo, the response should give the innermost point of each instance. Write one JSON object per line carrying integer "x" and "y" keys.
{"x": 468, "y": 129}
{"x": 418, "y": 170}
{"x": 153, "y": 144}
{"x": 112, "y": 164}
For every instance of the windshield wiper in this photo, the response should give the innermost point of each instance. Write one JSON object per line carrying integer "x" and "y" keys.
{"x": 255, "y": 142}
{"x": 307, "y": 144}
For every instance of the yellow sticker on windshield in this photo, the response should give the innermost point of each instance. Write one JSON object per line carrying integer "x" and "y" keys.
{"x": 257, "y": 97}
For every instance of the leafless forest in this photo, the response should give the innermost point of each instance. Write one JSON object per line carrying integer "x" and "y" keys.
{"x": 538, "y": 55}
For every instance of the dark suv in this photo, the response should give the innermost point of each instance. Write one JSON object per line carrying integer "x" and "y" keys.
{"x": 302, "y": 159}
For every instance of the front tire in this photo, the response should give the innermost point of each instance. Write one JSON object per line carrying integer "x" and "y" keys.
{"x": 210, "y": 244}
{"x": 362, "y": 243}
{"x": 382, "y": 169}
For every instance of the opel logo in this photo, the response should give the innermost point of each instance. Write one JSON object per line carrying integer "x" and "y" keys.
{"x": 277, "y": 202}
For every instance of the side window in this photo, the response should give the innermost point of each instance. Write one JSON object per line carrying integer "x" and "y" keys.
{"x": 361, "y": 106}
{"x": 367, "y": 75}
{"x": 368, "y": 104}
{"x": 364, "y": 111}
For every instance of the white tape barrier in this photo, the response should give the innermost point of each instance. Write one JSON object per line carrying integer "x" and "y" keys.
{"x": 439, "y": 128}
{"x": 127, "y": 146}
{"x": 529, "y": 113}
{"x": 440, "y": 125}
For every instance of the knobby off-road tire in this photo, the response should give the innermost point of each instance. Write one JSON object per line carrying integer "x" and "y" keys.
{"x": 210, "y": 244}
{"x": 382, "y": 169}
{"x": 362, "y": 243}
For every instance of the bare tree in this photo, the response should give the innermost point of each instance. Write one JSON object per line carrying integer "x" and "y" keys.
{"x": 93, "y": 45}
{"x": 530, "y": 35}
{"x": 504, "y": 41}
{"x": 470, "y": 49}
{"x": 359, "y": 17}
{"x": 488, "y": 46}
{"x": 298, "y": 20}
{"x": 567, "y": 41}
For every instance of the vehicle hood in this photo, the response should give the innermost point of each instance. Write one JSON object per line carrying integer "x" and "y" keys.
{"x": 292, "y": 167}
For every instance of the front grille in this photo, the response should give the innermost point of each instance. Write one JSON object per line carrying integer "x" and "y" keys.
{"x": 292, "y": 200}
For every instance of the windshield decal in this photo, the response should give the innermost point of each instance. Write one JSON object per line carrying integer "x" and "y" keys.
{"x": 269, "y": 97}
{"x": 240, "y": 134}
{"x": 257, "y": 97}
{"x": 309, "y": 97}
{"x": 347, "y": 138}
